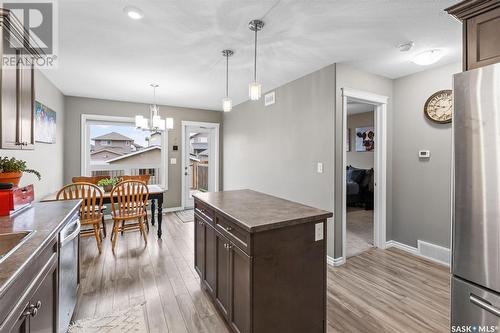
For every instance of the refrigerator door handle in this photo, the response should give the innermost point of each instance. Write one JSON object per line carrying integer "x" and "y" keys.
{"x": 484, "y": 304}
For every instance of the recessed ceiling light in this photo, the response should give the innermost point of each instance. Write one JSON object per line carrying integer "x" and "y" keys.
{"x": 133, "y": 12}
{"x": 428, "y": 57}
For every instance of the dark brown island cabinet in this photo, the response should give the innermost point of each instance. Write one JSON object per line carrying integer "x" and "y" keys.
{"x": 481, "y": 31}
{"x": 262, "y": 259}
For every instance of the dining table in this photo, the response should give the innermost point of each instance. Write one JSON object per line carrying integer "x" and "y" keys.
{"x": 155, "y": 196}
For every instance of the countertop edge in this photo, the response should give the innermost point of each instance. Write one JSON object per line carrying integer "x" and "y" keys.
{"x": 36, "y": 253}
{"x": 275, "y": 225}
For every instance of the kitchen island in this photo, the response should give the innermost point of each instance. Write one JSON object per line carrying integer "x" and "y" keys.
{"x": 30, "y": 267}
{"x": 262, "y": 260}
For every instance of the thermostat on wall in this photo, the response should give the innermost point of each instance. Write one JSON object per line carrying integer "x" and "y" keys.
{"x": 424, "y": 154}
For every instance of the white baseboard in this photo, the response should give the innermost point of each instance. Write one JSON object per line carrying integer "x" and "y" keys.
{"x": 433, "y": 252}
{"x": 335, "y": 261}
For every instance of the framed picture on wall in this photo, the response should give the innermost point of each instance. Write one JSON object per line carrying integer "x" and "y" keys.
{"x": 45, "y": 124}
{"x": 365, "y": 139}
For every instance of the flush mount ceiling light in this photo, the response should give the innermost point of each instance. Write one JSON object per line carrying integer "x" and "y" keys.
{"x": 154, "y": 123}
{"x": 255, "y": 88}
{"x": 428, "y": 57}
{"x": 406, "y": 46}
{"x": 227, "y": 103}
{"x": 133, "y": 12}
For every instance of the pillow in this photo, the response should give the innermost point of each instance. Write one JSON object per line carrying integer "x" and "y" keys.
{"x": 357, "y": 175}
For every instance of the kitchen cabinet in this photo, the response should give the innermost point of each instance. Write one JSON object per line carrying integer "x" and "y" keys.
{"x": 222, "y": 272}
{"x": 17, "y": 104}
{"x": 481, "y": 31}
{"x": 269, "y": 277}
{"x": 36, "y": 309}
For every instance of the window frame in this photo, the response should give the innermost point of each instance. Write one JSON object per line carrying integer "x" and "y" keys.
{"x": 85, "y": 145}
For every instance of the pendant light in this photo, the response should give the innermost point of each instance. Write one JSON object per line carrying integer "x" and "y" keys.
{"x": 154, "y": 123}
{"x": 227, "y": 103}
{"x": 255, "y": 88}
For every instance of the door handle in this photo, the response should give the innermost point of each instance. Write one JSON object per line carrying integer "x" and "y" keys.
{"x": 484, "y": 304}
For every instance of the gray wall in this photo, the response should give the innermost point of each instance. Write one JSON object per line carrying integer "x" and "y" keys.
{"x": 46, "y": 158}
{"x": 76, "y": 106}
{"x": 350, "y": 77}
{"x": 360, "y": 159}
{"x": 421, "y": 189}
{"x": 275, "y": 149}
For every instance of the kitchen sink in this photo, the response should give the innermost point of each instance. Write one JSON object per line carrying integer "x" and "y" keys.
{"x": 9, "y": 242}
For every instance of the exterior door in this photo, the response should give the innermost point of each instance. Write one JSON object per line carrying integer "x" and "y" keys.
{"x": 199, "y": 161}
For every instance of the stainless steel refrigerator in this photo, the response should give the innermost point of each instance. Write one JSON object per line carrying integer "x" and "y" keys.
{"x": 475, "y": 285}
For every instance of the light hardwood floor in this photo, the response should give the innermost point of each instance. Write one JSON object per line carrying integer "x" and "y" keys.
{"x": 378, "y": 291}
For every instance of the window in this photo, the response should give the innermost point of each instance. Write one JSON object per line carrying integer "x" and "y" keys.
{"x": 133, "y": 151}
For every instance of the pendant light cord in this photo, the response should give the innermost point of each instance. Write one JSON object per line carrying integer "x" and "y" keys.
{"x": 255, "y": 58}
{"x": 227, "y": 75}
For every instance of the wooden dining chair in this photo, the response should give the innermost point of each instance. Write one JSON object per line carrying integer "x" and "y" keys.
{"x": 90, "y": 209}
{"x": 88, "y": 179}
{"x": 142, "y": 178}
{"x": 93, "y": 180}
{"x": 128, "y": 202}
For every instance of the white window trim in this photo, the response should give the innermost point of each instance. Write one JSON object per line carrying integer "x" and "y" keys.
{"x": 85, "y": 145}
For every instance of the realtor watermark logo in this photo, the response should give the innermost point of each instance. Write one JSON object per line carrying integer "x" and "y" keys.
{"x": 475, "y": 328}
{"x": 32, "y": 37}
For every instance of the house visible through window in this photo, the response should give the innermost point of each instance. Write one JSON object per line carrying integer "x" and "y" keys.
{"x": 115, "y": 149}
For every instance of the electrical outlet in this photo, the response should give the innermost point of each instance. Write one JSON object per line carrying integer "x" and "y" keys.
{"x": 318, "y": 232}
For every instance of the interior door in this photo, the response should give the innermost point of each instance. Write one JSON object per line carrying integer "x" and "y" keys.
{"x": 199, "y": 162}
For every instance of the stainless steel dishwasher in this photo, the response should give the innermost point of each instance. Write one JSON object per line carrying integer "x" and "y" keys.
{"x": 69, "y": 244}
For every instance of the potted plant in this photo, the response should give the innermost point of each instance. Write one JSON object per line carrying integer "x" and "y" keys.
{"x": 11, "y": 170}
{"x": 107, "y": 183}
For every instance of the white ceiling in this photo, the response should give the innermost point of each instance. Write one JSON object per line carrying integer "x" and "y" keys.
{"x": 178, "y": 44}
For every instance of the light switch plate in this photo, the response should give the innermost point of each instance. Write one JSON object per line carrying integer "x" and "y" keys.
{"x": 320, "y": 167}
{"x": 173, "y": 160}
{"x": 424, "y": 154}
{"x": 318, "y": 232}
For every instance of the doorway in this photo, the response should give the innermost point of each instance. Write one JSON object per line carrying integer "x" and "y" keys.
{"x": 200, "y": 160}
{"x": 360, "y": 150}
{"x": 365, "y": 205}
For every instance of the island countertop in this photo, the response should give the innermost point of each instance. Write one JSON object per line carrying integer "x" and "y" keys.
{"x": 45, "y": 219}
{"x": 255, "y": 211}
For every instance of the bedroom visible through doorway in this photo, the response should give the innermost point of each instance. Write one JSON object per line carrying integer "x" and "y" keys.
{"x": 360, "y": 163}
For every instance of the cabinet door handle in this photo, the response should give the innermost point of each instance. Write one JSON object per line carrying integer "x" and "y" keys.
{"x": 33, "y": 309}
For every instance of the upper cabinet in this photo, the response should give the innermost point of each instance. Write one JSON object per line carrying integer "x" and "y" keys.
{"x": 481, "y": 31}
{"x": 17, "y": 105}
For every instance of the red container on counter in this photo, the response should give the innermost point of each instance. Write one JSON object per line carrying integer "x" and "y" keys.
{"x": 15, "y": 198}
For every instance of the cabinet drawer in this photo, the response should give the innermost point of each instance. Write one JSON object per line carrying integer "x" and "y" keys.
{"x": 204, "y": 212}
{"x": 236, "y": 234}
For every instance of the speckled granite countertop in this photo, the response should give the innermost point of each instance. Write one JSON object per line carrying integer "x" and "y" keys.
{"x": 46, "y": 219}
{"x": 255, "y": 211}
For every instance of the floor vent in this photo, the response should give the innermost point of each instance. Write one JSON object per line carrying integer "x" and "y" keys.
{"x": 434, "y": 252}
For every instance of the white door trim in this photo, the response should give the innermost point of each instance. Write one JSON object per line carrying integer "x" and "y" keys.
{"x": 214, "y": 126}
{"x": 380, "y": 163}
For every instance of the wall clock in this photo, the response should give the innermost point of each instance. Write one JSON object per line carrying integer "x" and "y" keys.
{"x": 439, "y": 107}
